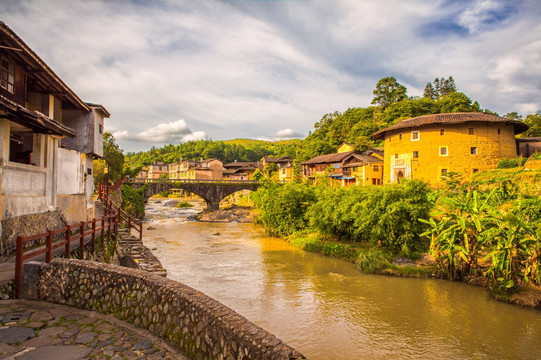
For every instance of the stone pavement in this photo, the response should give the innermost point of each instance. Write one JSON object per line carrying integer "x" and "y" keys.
{"x": 36, "y": 330}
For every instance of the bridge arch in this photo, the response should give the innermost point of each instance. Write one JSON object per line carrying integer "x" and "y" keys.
{"x": 212, "y": 191}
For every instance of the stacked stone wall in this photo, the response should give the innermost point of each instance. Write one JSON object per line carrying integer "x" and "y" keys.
{"x": 26, "y": 225}
{"x": 199, "y": 325}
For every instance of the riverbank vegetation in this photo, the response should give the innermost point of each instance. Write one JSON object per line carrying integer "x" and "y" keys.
{"x": 487, "y": 231}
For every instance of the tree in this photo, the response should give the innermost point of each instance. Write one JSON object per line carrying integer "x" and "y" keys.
{"x": 388, "y": 91}
{"x": 257, "y": 175}
{"x": 534, "y": 122}
{"x": 439, "y": 87}
{"x": 110, "y": 168}
{"x": 271, "y": 169}
{"x": 513, "y": 116}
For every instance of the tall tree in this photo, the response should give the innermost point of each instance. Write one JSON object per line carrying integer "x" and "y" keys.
{"x": 388, "y": 91}
{"x": 429, "y": 92}
{"x": 439, "y": 87}
{"x": 110, "y": 168}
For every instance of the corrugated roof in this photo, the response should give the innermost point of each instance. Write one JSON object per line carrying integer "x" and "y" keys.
{"x": 452, "y": 118}
{"x": 329, "y": 158}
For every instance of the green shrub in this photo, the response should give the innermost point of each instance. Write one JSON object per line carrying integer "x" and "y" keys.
{"x": 133, "y": 201}
{"x": 184, "y": 204}
{"x": 511, "y": 163}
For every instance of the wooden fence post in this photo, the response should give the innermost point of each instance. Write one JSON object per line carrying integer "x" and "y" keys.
{"x": 68, "y": 240}
{"x": 18, "y": 266}
{"x": 82, "y": 239}
{"x": 49, "y": 254}
{"x": 94, "y": 236}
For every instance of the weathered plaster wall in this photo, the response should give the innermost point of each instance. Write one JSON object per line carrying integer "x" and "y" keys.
{"x": 199, "y": 325}
{"x": 70, "y": 178}
{"x": 72, "y": 207}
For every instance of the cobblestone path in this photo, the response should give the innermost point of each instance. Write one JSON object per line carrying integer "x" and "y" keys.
{"x": 45, "y": 331}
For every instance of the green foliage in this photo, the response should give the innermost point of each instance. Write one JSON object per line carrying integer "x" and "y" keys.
{"x": 225, "y": 151}
{"x": 501, "y": 226}
{"x": 133, "y": 201}
{"x": 534, "y": 122}
{"x": 271, "y": 169}
{"x": 373, "y": 259}
{"x": 439, "y": 87}
{"x": 184, "y": 204}
{"x": 511, "y": 163}
{"x": 384, "y": 216}
{"x": 282, "y": 208}
{"x": 109, "y": 169}
{"x": 388, "y": 91}
{"x": 257, "y": 175}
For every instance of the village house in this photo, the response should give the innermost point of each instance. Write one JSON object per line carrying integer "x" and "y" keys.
{"x": 157, "y": 169}
{"x": 284, "y": 166}
{"x": 365, "y": 168}
{"x": 211, "y": 169}
{"x": 528, "y": 146}
{"x": 428, "y": 147}
{"x": 346, "y": 167}
{"x": 49, "y": 137}
{"x": 241, "y": 170}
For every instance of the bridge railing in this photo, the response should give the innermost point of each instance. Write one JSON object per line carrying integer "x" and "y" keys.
{"x": 195, "y": 181}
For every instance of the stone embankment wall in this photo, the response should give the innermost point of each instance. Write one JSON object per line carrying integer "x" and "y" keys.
{"x": 199, "y": 325}
{"x": 133, "y": 254}
{"x": 26, "y": 225}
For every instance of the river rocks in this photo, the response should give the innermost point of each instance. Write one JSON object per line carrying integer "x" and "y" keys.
{"x": 238, "y": 214}
{"x": 172, "y": 202}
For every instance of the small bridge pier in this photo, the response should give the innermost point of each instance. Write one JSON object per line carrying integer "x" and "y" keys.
{"x": 212, "y": 191}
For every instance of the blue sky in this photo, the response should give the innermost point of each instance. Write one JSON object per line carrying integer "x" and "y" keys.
{"x": 170, "y": 71}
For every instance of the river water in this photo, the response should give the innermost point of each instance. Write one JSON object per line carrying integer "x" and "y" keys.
{"x": 326, "y": 308}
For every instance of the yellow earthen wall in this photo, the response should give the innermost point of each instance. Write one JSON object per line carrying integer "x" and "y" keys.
{"x": 491, "y": 148}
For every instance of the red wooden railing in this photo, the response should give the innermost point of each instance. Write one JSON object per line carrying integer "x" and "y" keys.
{"x": 71, "y": 234}
{"x": 75, "y": 232}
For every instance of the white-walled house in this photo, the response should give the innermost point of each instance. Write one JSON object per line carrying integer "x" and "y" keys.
{"x": 48, "y": 139}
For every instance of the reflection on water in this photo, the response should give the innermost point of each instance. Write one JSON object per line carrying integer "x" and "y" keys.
{"x": 327, "y": 309}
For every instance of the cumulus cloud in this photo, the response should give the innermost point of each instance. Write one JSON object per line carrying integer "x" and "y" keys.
{"x": 287, "y": 134}
{"x": 168, "y": 133}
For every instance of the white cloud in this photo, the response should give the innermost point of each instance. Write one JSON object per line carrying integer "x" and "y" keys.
{"x": 287, "y": 134}
{"x": 240, "y": 69}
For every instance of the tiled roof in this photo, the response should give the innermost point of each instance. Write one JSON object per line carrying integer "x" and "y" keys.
{"x": 363, "y": 160}
{"x": 328, "y": 159}
{"x": 452, "y": 118}
{"x": 270, "y": 159}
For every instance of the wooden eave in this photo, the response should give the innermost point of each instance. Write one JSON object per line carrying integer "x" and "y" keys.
{"x": 40, "y": 74}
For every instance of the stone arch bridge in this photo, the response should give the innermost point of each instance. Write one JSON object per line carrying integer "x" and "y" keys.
{"x": 212, "y": 191}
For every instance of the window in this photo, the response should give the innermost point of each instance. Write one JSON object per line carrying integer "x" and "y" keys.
{"x": 7, "y": 76}
{"x": 444, "y": 172}
{"x": 100, "y": 127}
{"x": 400, "y": 137}
{"x": 415, "y": 154}
{"x": 414, "y": 135}
{"x": 374, "y": 181}
{"x": 442, "y": 131}
{"x": 470, "y": 131}
{"x": 376, "y": 167}
{"x": 396, "y": 156}
{"x": 21, "y": 146}
{"x": 88, "y": 171}
{"x": 499, "y": 131}
{"x": 473, "y": 150}
{"x": 443, "y": 151}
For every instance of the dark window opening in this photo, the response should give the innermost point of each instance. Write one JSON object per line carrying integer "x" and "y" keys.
{"x": 400, "y": 137}
{"x": 7, "y": 76}
{"x": 473, "y": 150}
{"x": 415, "y": 154}
{"x": 499, "y": 131}
{"x": 21, "y": 145}
{"x": 442, "y": 131}
{"x": 100, "y": 126}
{"x": 396, "y": 156}
{"x": 88, "y": 171}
